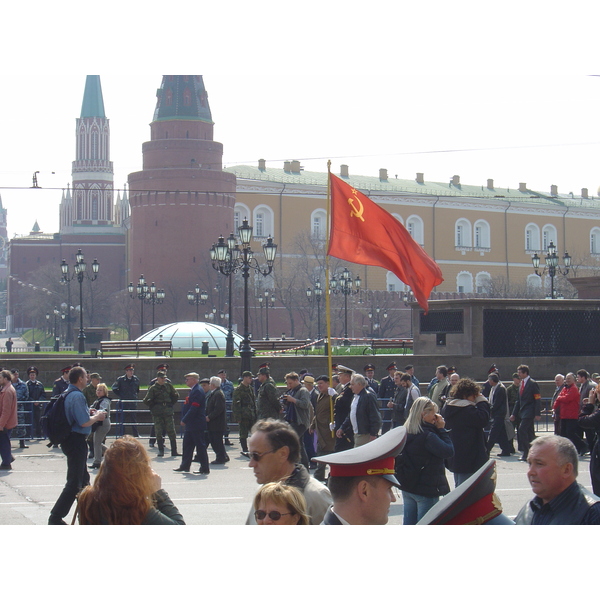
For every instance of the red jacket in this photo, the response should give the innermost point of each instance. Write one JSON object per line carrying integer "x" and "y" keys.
{"x": 568, "y": 402}
{"x": 8, "y": 407}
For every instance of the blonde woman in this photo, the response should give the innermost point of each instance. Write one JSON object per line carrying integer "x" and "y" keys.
{"x": 279, "y": 504}
{"x": 101, "y": 428}
{"x": 420, "y": 468}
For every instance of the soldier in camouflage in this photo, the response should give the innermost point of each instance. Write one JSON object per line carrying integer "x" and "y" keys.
{"x": 161, "y": 398}
{"x": 244, "y": 409}
{"x": 267, "y": 402}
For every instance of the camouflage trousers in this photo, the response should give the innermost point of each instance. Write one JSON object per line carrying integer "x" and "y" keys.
{"x": 245, "y": 426}
{"x": 164, "y": 423}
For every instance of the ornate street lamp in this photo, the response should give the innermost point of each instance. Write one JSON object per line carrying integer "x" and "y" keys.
{"x": 147, "y": 294}
{"x": 317, "y": 292}
{"x": 375, "y": 320}
{"x": 228, "y": 258}
{"x": 79, "y": 271}
{"x": 269, "y": 300}
{"x": 345, "y": 285}
{"x": 551, "y": 259}
{"x": 197, "y": 297}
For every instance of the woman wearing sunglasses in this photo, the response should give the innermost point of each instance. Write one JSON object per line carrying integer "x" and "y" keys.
{"x": 280, "y": 504}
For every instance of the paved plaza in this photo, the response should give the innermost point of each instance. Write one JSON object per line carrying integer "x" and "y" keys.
{"x": 28, "y": 492}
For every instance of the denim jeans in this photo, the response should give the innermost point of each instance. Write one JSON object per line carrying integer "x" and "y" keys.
{"x": 416, "y": 506}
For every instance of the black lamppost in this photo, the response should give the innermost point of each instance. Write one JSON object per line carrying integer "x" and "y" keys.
{"x": 197, "y": 297}
{"x": 551, "y": 260}
{"x": 269, "y": 300}
{"x": 79, "y": 271}
{"x": 230, "y": 258}
{"x": 227, "y": 268}
{"x": 375, "y": 320}
{"x": 318, "y": 294}
{"x": 154, "y": 297}
{"x": 147, "y": 294}
{"x": 56, "y": 313}
{"x": 345, "y": 285}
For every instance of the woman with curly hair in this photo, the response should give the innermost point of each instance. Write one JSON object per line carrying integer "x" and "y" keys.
{"x": 466, "y": 415}
{"x": 127, "y": 491}
{"x": 279, "y": 504}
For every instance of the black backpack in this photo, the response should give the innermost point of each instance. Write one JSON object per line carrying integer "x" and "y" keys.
{"x": 55, "y": 422}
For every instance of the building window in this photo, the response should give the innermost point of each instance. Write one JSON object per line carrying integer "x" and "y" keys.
{"x": 595, "y": 240}
{"x": 483, "y": 282}
{"x": 532, "y": 238}
{"x": 481, "y": 235}
{"x": 259, "y": 224}
{"x": 464, "y": 282}
{"x": 263, "y": 221}
{"x": 549, "y": 235}
{"x": 462, "y": 236}
{"x": 414, "y": 226}
{"x": 318, "y": 224}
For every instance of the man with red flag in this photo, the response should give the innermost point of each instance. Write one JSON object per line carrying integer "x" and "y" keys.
{"x": 364, "y": 233}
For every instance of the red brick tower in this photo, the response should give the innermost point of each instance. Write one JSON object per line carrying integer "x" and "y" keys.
{"x": 182, "y": 200}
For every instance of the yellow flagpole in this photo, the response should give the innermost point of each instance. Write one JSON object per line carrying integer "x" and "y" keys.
{"x": 326, "y": 290}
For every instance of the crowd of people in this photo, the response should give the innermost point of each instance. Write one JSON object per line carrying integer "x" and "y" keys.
{"x": 318, "y": 423}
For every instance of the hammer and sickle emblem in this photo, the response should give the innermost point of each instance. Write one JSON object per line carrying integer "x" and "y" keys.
{"x": 356, "y": 212}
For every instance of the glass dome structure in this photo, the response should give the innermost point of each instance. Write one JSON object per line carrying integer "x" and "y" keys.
{"x": 189, "y": 335}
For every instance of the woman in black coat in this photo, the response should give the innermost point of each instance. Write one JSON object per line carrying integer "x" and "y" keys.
{"x": 216, "y": 420}
{"x": 466, "y": 416}
{"x": 420, "y": 468}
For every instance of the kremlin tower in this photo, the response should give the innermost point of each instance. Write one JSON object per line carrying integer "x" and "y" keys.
{"x": 181, "y": 200}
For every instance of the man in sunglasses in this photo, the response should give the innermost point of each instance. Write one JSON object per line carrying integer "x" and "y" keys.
{"x": 361, "y": 481}
{"x": 274, "y": 452}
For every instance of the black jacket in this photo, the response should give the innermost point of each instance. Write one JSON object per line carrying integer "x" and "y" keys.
{"x": 368, "y": 416}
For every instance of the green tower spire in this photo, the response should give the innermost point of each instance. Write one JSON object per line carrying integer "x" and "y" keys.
{"x": 182, "y": 97}
{"x": 93, "y": 104}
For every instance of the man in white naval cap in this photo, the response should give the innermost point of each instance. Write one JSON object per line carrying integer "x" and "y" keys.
{"x": 361, "y": 481}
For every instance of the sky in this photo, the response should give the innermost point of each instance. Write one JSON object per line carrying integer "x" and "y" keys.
{"x": 483, "y": 90}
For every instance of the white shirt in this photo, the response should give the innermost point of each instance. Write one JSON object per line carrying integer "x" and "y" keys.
{"x": 353, "y": 413}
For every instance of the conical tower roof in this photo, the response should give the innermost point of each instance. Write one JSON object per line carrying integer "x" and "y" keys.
{"x": 182, "y": 97}
{"x": 93, "y": 104}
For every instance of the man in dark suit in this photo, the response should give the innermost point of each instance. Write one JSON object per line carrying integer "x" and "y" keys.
{"x": 341, "y": 409}
{"x": 528, "y": 408}
{"x": 386, "y": 392}
{"x": 193, "y": 418}
{"x": 499, "y": 412}
{"x": 364, "y": 418}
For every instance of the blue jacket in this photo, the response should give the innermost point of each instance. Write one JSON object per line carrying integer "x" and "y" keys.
{"x": 193, "y": 412}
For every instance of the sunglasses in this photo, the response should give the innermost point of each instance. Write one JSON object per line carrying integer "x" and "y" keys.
{"x": 274, "y": 515}
{"x": 256, "y": 456}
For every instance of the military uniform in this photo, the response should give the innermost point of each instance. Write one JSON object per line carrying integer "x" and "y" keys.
{"x": 36, "y": 395}
{"x": 161, "y": 398}
{"x": 267, "y": 403}
{"x": 127, "y": 388}
{"x": 89, "y": 391}
{"x": 244, "y": 411}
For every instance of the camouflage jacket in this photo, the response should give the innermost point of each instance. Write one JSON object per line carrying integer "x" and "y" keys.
{"x": 161, "y": 399}
{"x": 267, "y": 402}
{"x": 244, "y": 404}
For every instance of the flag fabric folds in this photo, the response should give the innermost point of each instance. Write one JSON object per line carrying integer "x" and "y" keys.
{"x": 364, "y": 233}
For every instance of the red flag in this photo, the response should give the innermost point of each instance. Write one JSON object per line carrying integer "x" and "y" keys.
{"x": 364, "y": 233}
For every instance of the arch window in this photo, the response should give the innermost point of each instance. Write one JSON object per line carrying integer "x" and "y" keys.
{"x": 263, "y": 221}
{"x": 462, "y": 235}
{"x": 532, "y": 238}
{"x": 240, "y": 212}
{"x": 549, "y": 235}
{"x": 318, "y": 224}
{"x": 398, "y": 218}
{"x": 534, "y": 283}
{"x": 393, "y": 283}
{"x": 414, "y": 225}
{"x": 481, "y": 235}
{"x": 482, "y": 282}
{"x": 595, "y": 240}
{"x": 464, "y": 282}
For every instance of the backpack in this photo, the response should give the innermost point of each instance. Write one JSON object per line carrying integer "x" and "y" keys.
{"x": 54, "y": 421}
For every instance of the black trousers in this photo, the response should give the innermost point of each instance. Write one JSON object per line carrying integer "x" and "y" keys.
{"x": 216, "y": 441}
{"x": 498, "y": 436}
{"x": 570, "y": 429}
{"x": 194, "y": 440}
{"x": 525, "y": 434}
{"x": 75, "y": 449}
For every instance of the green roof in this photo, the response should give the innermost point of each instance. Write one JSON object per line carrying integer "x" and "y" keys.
{"x": 182, "y": 97}
{"x": 395, "y": 185}
{"x": 93, "y": 104}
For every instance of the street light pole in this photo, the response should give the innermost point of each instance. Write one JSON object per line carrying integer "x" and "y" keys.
{"x": 552, "y": 266}
{"x": 318, "y": 293}
{"x": 197, "y": 297}
{"x": 228, "y": 258}
{"x": 79, "y": 271}
{"x": 344, "y": 285}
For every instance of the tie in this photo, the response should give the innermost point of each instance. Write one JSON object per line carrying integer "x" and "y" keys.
{"x": 522, "y": 387}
